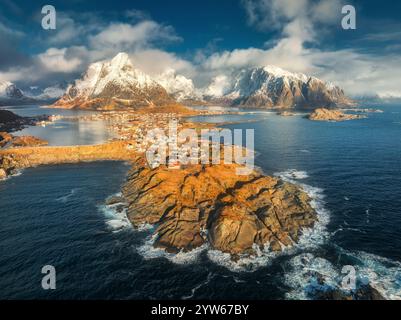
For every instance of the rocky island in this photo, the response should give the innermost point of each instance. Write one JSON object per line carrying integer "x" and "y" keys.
{"x": 211, "y": 204}
{"x": 323, "y": 114}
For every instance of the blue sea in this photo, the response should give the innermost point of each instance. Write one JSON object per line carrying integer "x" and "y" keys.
{"x": 55, "y": 215}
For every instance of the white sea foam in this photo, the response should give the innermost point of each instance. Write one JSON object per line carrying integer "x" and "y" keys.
{"x": 210, "y": 276}
{"x": 116, "y": 219}
{"x": 383, "y": 274}
{"x": 292, "y": 174}
{"x": 380, "y": 273}
{"x": 15, "y": 174}
{"x": 148, "y": 251}
{"x": 144, "y": 227}
{"x": 303, "y": 277}
{"x": 248, "y": 263}
{"x": 317, "y": 235}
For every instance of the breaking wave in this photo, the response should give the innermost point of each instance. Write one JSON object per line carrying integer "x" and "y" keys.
{"x": 247, "y": 263}
{"x": 292, "y": 174}
{"x": 311, "y": 274}
{"x": 116, "y": 216}
{"x": 383, "y": 274}
{"x": 318, "y": 234}
{"x": 210, "y": 276}
{"x": 15, "y": 174}
{"x": 148, "y": 251}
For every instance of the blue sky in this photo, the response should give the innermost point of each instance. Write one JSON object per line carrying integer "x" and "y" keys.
{"x": 205, "y": 39}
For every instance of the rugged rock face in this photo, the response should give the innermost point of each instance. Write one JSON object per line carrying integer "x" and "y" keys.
{"x": 114, "y": 84}
{"x": 11, "y": 141}
{"x": 322, "y": 114}
{"x": 5, "y": 138}
{"x": 28, "y": 141}
{"x": 272, "y": 87}
{"x": 200, "y": 204}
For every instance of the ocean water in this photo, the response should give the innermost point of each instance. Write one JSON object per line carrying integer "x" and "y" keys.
{"x": 351, "y": 169}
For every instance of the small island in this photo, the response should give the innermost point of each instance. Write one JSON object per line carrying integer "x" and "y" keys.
{"x": 323, "y": 114}
{"x": 286, "y": 113}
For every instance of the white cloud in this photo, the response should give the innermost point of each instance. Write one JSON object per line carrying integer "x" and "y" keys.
{"x": 218, "y": 86}
{"x": 67, "y": 30}
{"x": 124, "y": 36}
{"x": 55, "y": 60}
{"x": 327, "y": 11}
{"x": 271, "y": 14}
{"x": 155, "y": 61}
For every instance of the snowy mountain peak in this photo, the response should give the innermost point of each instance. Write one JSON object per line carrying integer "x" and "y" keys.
{"x": 272, "y": 87}
{"x": 114, "y": 83}
{"x": 10, "y": 91}
{"x": 281, "y": 73}
{"x": 121, "y": 60}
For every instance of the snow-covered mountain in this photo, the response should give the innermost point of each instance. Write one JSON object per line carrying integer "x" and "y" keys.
{"x": 114, "y": 84}
{"x": 179, "y": 87}
{"x": 117, "y": 84}
{"x": 270, "y": 86}
{"x": 10, "y": 90}
{"x": 10, "y": 94}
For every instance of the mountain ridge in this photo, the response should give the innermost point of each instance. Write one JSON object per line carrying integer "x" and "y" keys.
{"x": 273, "y": 87}
{"x": 117, "y": 84}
